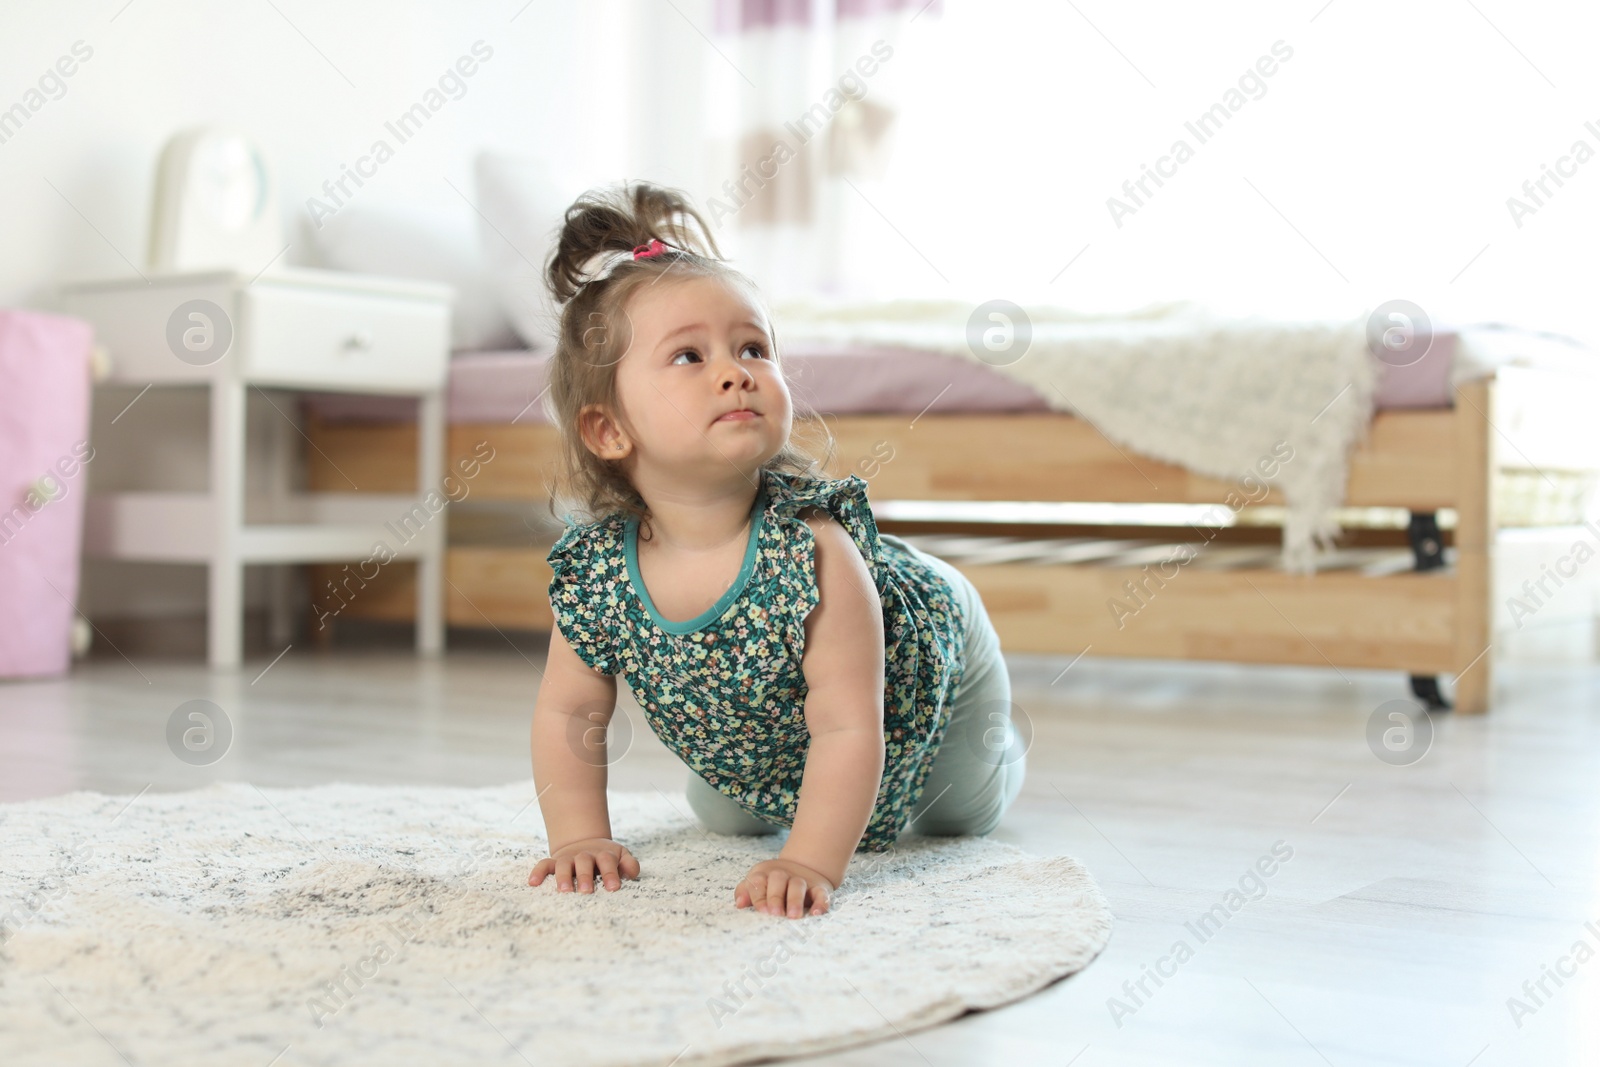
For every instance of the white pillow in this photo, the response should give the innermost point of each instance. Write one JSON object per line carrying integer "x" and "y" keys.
{"x": 522, "y": 203}
{"x": 428, "y": 245}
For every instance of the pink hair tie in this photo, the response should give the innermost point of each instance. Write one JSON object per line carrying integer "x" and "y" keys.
{"x": 654, "y": 248}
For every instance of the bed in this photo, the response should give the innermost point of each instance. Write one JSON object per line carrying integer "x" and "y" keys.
{"x": 1411, "y": 588}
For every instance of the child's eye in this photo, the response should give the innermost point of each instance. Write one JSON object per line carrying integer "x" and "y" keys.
{"x": 758, "y": 349}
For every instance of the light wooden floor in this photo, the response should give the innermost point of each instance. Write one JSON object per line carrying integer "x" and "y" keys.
{"x": 1417, "y": 901}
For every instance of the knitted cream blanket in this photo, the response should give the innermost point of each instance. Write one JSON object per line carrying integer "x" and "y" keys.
{"x": 1224, "y": 398}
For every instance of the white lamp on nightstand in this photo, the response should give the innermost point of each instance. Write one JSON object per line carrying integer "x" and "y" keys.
{"x": 215, "y": 204}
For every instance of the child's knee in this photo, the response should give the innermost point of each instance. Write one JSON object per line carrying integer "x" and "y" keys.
{"x": 982, "y": 814}
{"x": 967, "y": 824}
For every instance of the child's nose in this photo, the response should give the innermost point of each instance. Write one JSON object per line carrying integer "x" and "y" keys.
{"x": 734, "y": 374}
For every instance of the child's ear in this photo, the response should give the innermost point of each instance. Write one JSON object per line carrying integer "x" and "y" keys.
{"x": 601, "y": 434}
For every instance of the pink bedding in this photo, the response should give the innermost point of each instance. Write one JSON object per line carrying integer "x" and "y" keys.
{"x": 502, "y": 386}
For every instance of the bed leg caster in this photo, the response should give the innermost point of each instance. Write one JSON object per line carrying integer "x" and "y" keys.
{"x": 1427, "y": 554}
{"x": 1425, "y": 687}
{"x": 1427, "y": 544}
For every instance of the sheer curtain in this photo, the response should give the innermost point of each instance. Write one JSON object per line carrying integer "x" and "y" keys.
{"x": 801, "y": 104}
{"x": 1375, "y": 163}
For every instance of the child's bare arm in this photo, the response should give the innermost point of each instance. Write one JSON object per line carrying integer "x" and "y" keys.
{"x": 844, "y": 669}
{"x": 568, "y": 739}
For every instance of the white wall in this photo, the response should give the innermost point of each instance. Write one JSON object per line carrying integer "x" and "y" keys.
{"x": 556, "y": 85}
{"x": 1376, "y": 164}
{"x": 313, "y": 83}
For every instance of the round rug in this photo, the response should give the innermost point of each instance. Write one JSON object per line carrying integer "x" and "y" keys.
{"x": 358, "y": 924}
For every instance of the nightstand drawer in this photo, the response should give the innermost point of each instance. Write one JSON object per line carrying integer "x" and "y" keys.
{"x": 307, "y": 338}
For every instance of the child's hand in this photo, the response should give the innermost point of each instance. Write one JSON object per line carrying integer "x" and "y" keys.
{"x": 581, "y": 858}
{"x": 775, "y": 885}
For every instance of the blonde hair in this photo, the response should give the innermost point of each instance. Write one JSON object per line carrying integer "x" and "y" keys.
{"x": 583, "y": 370}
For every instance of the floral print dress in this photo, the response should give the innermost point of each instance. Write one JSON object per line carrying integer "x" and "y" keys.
{"x": 725, "y": 690}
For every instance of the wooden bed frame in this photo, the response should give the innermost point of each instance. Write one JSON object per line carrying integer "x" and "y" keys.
{"x": 1431, "y": 621}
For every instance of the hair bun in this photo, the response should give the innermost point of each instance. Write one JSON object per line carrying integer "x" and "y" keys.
{"x": 620, "y": 219}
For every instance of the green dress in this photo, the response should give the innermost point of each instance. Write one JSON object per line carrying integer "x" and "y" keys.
{"x": 725, "y": 690}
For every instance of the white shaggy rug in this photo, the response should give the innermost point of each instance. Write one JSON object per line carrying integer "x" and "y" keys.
{"x": 388, "y": 925}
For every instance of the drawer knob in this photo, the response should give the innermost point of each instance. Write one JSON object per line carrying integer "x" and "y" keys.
{"x": 360, "y": 341}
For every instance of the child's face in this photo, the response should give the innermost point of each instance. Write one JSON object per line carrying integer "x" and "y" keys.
{"x": 700, "y": 349}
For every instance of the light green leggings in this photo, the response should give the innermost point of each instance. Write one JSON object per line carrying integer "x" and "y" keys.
{"x": 979, "y": 767}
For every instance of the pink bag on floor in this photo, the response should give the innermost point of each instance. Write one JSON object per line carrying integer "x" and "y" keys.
{"x": 44, "y": 432}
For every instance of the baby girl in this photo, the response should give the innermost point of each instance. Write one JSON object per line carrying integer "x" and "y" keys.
{"x": 813, "y": 674}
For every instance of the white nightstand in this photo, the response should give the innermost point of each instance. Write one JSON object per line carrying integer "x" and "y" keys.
{"x": 289, "y": 329}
